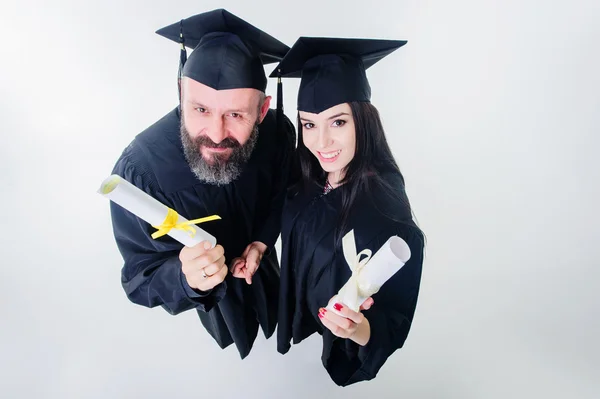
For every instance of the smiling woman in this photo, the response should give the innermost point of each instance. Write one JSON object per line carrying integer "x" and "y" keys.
{"x": 349, "y": 182}
{"x": 330, "y": 136}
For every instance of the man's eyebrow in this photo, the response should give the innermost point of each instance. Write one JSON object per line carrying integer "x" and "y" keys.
{"x": 239, "y": 110}
{"x": 197, "y": 104}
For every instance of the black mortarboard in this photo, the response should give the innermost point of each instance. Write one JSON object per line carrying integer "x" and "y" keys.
{"x": 333, "y": 70}
{"x": 229, "y": 53}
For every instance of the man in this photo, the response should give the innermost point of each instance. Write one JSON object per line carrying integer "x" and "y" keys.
{"x": 221, "y": 152}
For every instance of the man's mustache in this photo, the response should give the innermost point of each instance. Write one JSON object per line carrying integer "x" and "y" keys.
{"x": 205, "y": 141}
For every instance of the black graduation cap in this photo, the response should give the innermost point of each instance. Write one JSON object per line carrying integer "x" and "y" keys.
{"x": 333, "y": 70}
{"x": 229, "y": 53}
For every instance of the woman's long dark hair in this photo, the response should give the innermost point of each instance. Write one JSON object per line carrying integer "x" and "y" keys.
{"x": 372, "y": 159}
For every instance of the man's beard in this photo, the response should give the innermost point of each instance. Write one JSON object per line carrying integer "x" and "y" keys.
{"x": 221, "y": 169}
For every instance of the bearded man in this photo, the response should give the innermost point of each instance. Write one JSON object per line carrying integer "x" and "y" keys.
{"x": 223, "y": 152}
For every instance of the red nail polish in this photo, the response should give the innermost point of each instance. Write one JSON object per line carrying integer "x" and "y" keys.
{"x": 337, "y": 307}
{"x": 320, "y": 315}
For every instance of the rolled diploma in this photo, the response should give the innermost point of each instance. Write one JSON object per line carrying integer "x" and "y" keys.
{"x": 386, "y": 262}
{"x": 147, "y": 208}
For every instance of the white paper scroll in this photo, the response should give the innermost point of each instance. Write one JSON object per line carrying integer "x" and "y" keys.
{"x": 142, "y": 205}
{"x": 371, "y": 272}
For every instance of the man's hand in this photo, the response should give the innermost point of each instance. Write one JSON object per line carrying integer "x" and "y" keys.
{"x": 203, "y": 267}
{"x": 246, "y": 265}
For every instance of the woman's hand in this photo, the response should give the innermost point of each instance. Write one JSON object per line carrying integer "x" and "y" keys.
{"x": 348, "y": 324}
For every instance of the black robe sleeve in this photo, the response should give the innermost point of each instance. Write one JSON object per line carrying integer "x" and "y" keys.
{"x": 390, "y": 319}
{"x": 269, "y": 229}
{"x": 151, "y": 275}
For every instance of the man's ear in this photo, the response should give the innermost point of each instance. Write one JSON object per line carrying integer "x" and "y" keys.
{"x": 265, "y": 108}
{"x": 182, "y": 83}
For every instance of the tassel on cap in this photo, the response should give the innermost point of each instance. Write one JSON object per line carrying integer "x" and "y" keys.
{"x": 279, "y": 112}
{"x": 182, "y": 58}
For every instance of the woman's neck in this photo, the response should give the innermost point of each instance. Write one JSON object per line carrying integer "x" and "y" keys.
{"x": 334, "y": 178}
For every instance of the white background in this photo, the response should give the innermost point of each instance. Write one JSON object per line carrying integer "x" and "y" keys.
{"x": 492, "y": 110}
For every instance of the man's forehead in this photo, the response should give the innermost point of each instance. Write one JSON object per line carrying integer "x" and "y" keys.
{"x": 231, "y": 98}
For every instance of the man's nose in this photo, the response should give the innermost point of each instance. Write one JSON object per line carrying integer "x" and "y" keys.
{"x": 216, "y": 129}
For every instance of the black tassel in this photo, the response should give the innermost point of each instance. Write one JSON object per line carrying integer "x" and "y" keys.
{"x": 182, "y": 59}
{"x": 279, "y": 112}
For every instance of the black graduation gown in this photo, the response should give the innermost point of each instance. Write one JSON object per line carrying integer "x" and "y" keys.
{"x": 250, "y": 208}
{"x": 313, "y": 270}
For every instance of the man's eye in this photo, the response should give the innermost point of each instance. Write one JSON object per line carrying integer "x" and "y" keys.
{"x": 201, "y": 110}
{"x": 235, "y": 115}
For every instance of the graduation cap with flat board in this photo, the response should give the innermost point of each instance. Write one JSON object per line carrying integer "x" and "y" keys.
{"x": 229, "y": 53}
{"x": 333, "y": 70}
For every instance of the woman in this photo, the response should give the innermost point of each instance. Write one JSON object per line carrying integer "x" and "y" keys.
{"x": 349, "y": 181}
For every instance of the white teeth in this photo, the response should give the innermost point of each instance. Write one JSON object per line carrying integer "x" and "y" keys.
{"x": 330, "y": 155}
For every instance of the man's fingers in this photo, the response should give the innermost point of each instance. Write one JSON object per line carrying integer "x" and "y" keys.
{"x": 238, "y": 269}
{"x": 248, "y": 276}
{"x": 189, "y": 253}
{"x": 222, "y": 273}
{"x": 214, "y": 267}
{"x": 247, "y": 250}
{"x": 236, "y": 264}
{"x": 204, "y": 262}
{"x": 208, "y": 283}
{"x": 253, "y": 260}
{"x": 239, "y": 273}
{"x": 211, "y": 256}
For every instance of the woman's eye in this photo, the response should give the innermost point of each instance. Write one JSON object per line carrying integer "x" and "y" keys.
{"x": 339, "y": 122}
{"x": 308, "y": 125}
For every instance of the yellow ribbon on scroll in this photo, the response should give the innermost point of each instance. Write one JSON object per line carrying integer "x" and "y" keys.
{"x": 170, "y": 223}
{"x": 355, "y": 289}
